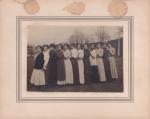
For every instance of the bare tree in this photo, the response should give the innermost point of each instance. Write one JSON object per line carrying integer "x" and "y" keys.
{"x": 87, "y": 38}
{"x": 101, "y": 34}
{"x": 72, "y": 39}
{"x": 79, "y": 37}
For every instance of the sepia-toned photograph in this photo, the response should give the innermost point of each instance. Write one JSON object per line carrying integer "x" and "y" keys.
{"x": 74, "y": 58}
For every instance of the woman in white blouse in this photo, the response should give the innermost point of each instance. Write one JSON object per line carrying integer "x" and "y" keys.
{"x": 74, "y": 62}
{"x": 93, "y": 62}
{"x": 101, "y": 69}
{"x": 68, "y": 65}
{"x": 46, "y": 60}
{"x": 80, "y": 64}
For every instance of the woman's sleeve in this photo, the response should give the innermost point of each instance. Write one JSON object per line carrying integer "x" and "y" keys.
{"x": 65, "y": 54}
{"x": 60, "y": 54}
{"x": 101, "y": 53}
{"x": 112, "y": 51}
{"x": 46, "y": 59}
{"x": 34, "y": 56}
{"x": 81, "y": 54}
{"x": 75, "y": 54}
{"x": 93, "y": 54}
{"x": 98, "y": 53}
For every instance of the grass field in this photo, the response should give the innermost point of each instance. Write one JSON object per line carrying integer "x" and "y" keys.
{"x": 113, "y": 86}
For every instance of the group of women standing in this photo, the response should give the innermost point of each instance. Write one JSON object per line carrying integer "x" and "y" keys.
{"x": 66, "y": 64}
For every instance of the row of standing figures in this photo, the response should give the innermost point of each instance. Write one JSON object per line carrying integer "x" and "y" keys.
{"x": 66, "y": 64}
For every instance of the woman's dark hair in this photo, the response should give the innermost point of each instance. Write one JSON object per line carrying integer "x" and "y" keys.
{"x": 73, "y": 44}
{"x": 39, "y": 47}
{"x": 81, "y": 46}
{"x": 92, "y": 44}
{"x": 66, "y": 44}
{"x": 86, "y": 45}
{"x": 60, "y": 45}
{"x": 98, "y": 44}
{"x": 52, "y": 45}
{"x": 108, "y": 44}
{"x": 45, "y": 46}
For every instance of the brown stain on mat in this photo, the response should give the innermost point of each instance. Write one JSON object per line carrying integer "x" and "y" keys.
{"x": 75, "y": 8}
{"x": 31, "y": 6}
{"x": 117, "y": 8}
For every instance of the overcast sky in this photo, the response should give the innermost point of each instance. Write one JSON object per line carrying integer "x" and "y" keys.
{"x": 39, "y": 35}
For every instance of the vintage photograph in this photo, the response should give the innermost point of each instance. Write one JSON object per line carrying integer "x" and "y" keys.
{"x": 74, "y": 58}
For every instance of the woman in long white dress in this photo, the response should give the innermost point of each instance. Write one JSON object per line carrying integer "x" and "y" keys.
{"x": 68, "y": 65}
{"x": 101, "y": 69}
{"x": 113, "y": 67}
{"x": 80, "y": 64}
{"x": 46, "y": 60}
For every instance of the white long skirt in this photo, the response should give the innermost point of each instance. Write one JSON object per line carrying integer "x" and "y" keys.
{"x": 101, "y": 69}
{"x": 113, "y": 68}
{"x": 37, "y": 77}
{"x": 81, "y": 71}
{"x": 68, "y": 71}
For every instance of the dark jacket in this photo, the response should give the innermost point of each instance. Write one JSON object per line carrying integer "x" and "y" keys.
{"x": 39, "y": 61}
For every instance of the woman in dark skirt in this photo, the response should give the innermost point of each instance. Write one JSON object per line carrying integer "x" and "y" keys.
{"x": 60, "y": 66}
{"x": 74, "y": 62}
{"x": 93, "y": 62}
{"x": 87, "y": 67}
{"x": 52, "y": 66}
{"x": 106, "y": 62}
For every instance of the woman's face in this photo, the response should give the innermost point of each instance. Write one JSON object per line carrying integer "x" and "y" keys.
{"x": 39, "y": 49}
{"x": 45, "y": 49}
{"x": 65, "y": 47}
{"x": 92, "y": 46}
{"x": 104, "y": 46}
{"x": 85, "y": 47}
{"x": 109, "y": 45}
{"x": 72, "y": 46}
{"x": 79, "y": 46}
{"x": 59, "y": 47}
{"x": 98, "y": 46}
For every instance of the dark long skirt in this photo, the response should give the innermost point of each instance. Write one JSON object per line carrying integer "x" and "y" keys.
{"x": 52, "y": 73}
{"x": 75, "y": 70}
{"x": 107, "y": 69}
{"x": 94, "y": 74}
{"x": 60, "y": 70}
{"x": 87, "y": 70}
{"x": 46, "y": 72}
